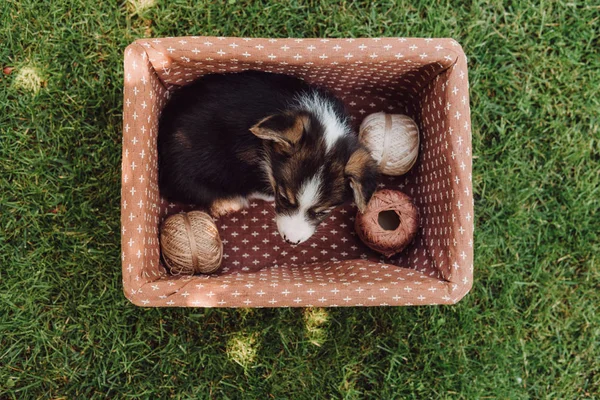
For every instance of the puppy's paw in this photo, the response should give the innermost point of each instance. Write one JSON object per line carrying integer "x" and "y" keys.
{"x": 227, "y": 206}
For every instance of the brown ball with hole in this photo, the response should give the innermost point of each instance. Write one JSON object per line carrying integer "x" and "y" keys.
{"x": 389, "y": 223}
{"x": 190, "y": 244}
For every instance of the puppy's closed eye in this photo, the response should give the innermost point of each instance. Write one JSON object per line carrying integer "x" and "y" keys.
{"x": 319, "y": 213}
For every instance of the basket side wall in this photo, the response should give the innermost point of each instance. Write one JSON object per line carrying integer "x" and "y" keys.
{"x": 143, "y": 90}
{"x": 444, "y": 176}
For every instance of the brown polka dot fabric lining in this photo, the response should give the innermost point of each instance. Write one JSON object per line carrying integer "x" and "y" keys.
{"x": 423, "y": 78}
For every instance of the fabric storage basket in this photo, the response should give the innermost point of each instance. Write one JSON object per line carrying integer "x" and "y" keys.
{"x": 423, "y": 78}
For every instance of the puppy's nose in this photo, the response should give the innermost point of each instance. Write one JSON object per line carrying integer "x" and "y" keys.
{"x": 289, "y": 241}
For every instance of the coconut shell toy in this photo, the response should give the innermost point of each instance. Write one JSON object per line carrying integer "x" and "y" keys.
{"x": 389, "y": 223}
{"x": 392, "y": 139}
{"x": 191, "y": 244}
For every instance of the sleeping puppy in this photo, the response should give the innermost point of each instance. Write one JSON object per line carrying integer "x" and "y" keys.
{"x": 229, "y": 138}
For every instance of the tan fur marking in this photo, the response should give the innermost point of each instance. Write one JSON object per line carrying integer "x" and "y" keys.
{"x": 264, "y": 133}
{"x": 226, "y": 206}
{"x": 285, "y": 139}
{"x": 290, "y": 196}
{"x": 295, "y": 133}
{"x": 354, "y": 169}
{"x": 357, "y": 163}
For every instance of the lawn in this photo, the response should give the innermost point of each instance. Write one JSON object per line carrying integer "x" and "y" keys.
{"x": 528, "y": 329}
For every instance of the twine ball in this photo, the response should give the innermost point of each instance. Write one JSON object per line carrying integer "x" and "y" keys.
{"x": 191, "y": 244}
{"x": 392, "y": 139}
{"x": 389, "y": 223}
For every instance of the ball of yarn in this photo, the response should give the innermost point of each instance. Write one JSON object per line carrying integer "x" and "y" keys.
{"x": 389, "y": 223}
{"x": 392, "y": 139}
{"x": 191, "y": 244}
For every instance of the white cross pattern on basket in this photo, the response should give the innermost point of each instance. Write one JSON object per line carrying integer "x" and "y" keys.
{"x": 423, "y": 78}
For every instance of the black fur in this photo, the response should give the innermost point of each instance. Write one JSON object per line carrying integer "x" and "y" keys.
{"x": 207, "y": 152}
{"x": 214, "y": 115}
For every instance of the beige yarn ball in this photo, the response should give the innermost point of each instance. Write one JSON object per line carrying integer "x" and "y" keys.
{"x": 191, "y": 244}
{"x": 392, "y": 139}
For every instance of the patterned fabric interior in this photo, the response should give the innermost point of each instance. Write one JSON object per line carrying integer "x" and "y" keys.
{"x": 423, "y": 78}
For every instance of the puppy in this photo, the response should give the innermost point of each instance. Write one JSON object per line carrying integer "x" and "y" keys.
{"x": 229, "y": 138}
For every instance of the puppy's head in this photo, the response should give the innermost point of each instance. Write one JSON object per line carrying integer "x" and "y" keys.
{"x": 309, "y": 176}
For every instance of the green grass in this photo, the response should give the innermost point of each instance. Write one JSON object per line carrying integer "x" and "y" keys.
{"x": 529, "y": 328}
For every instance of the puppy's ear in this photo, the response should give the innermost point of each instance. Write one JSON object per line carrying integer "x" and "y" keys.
{"x": 284, "y": 129}
{"x": 361, "y": 171}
